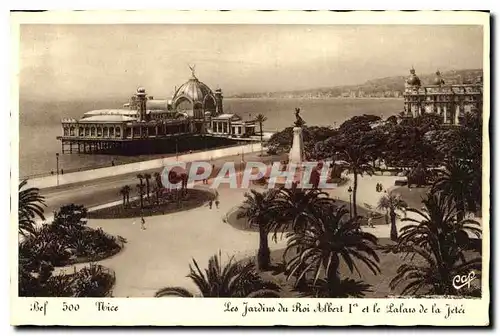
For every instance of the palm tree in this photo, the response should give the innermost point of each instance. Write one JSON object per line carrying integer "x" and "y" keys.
{"x": 457, "y": 183}
{"x": 159, "y": 186}
{"x": 295, "y": 205}
{"x": 261, "y": 119}
{"x": 147, "y": 177}
{"x": 392, "y": 202}
{"x": 140, "y": 190}
{"x": 141, "y": 178}
{"x": 327, "y": 239}
{"x": 232, "y": 280}
{"x": 31, "y": 205}
{"x": 440, "y": 241}
{"x": 258, "y": 209}
{"x": 125, "y": 192}
{"x": 355, "y": 163}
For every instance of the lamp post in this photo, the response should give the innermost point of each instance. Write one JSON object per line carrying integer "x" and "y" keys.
{"x": 176, "y": 149}
{"x": 350, "y": 201}
{"x": 57, "y": 167}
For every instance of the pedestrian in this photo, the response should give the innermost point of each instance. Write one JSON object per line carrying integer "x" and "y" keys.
{"x": 62, "y": 172}
{"x": 112, "y": 163}
{"x": 143, "y": 222}
{"x": 217, "y": 203}
{"x": 210, "y": 204}
{"x": 370, "y": 220}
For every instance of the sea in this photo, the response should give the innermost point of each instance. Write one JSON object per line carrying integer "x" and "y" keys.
{"x": 39, "y": 125}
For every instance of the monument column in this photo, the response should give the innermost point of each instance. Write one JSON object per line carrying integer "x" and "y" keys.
{"x": 296, "y": 154}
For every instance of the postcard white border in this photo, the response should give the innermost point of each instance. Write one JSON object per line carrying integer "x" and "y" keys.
{"x": 139, "y": 311}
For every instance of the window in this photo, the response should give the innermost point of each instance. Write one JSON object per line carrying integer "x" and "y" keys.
{"x": 92, "y": 131}
{"x": 99, "y": 131}
{"x": 118, "y": 132}
{"x": 72, "y": 131}
{"x": 66, "y": 131}
{"x": 80, "y": 131}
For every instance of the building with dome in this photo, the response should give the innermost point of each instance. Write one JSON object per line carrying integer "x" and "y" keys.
{"x": 451, "y": 101}
{"x": 194, "y": 110}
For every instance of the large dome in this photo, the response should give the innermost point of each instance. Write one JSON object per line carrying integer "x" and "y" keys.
{"x": 193, "y": 90}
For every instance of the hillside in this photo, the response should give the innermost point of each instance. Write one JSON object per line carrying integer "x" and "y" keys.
{"x": 389, "y": 87}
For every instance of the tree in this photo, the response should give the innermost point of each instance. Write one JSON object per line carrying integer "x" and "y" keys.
{"x": 232, "y": 280}
{"x": 140, "y": 190}
{"x": 392, "y": 202}
{"x": 147, "y": 177}
{"x": 326, "y": 241}
{"x": 440, "y": 241}
{"x": 258, "y": 209}
{"x": 125, "y": 192}
{"x": 457, "y": 183}
{"x": 355, "y": 144}
{"x": 31, "y": 205}
{"x": 261, "y": 119}
{"x": 294, "y": 205}
{"x": 141, "y": 178}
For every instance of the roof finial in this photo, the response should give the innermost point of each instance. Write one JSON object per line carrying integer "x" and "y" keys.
{"x": 192, "y": 68}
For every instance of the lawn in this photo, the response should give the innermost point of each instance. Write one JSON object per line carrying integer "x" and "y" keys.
{"x": 194, "y": 198}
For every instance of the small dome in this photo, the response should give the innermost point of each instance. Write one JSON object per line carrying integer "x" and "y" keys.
{"x": 141, "y": 90}
{"x": 438, "y": 80}
{"x": 208, "y": 113}
{"x": 413, "y": 78}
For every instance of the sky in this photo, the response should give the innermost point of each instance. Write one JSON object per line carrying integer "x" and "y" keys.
{"x": 61, "y": 62}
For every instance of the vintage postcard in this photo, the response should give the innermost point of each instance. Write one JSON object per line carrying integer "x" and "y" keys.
{"x": 250, "y": 168}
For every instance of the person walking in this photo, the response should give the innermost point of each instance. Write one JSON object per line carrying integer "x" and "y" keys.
{"x": 143, "y": 222}
{"x": 210, "y": 204}
{"x": 370, "y": 220}
{"x": 217, "y": 203}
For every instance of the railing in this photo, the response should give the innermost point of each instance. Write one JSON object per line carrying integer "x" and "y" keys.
{"x": 131, "y": 160}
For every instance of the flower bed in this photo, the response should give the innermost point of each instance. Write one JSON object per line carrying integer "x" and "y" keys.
{"x": 192, "y": 199}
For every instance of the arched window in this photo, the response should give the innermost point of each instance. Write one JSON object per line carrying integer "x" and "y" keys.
{"x": 87, "y": 131}
{"x": 105, "y": 132}
{"x": 111, "y": 131}
{"x": 66, "y": 131}
{"x": 80, "y": 131}
{"x": 118, "y": 132}
{"x": 92, "y": 131}
{"x": 72, "y": 131}
{"x": 129, "y": 132}
{"x": 99, "y": 131}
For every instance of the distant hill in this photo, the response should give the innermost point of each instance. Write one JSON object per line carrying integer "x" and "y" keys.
{"x": 389, "y": 87}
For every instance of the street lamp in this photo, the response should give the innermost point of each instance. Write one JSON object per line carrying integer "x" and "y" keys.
{"x": 350, "y": 201}
{"x": 176, "y": 149}
{"x": 57, "y": 167}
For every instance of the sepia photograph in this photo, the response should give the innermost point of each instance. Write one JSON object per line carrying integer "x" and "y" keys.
{"x": 257, "y": 161}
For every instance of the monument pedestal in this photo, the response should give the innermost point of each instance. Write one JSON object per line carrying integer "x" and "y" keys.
{"x": 296, "y": 155}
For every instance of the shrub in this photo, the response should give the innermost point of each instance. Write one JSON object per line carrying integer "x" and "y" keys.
{"x": 93, "y": 281}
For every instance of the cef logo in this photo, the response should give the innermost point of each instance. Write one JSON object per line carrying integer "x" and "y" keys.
{"x": 460, "y": 281}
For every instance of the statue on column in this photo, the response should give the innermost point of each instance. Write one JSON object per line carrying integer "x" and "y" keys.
{"x": 299, "y": 122}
